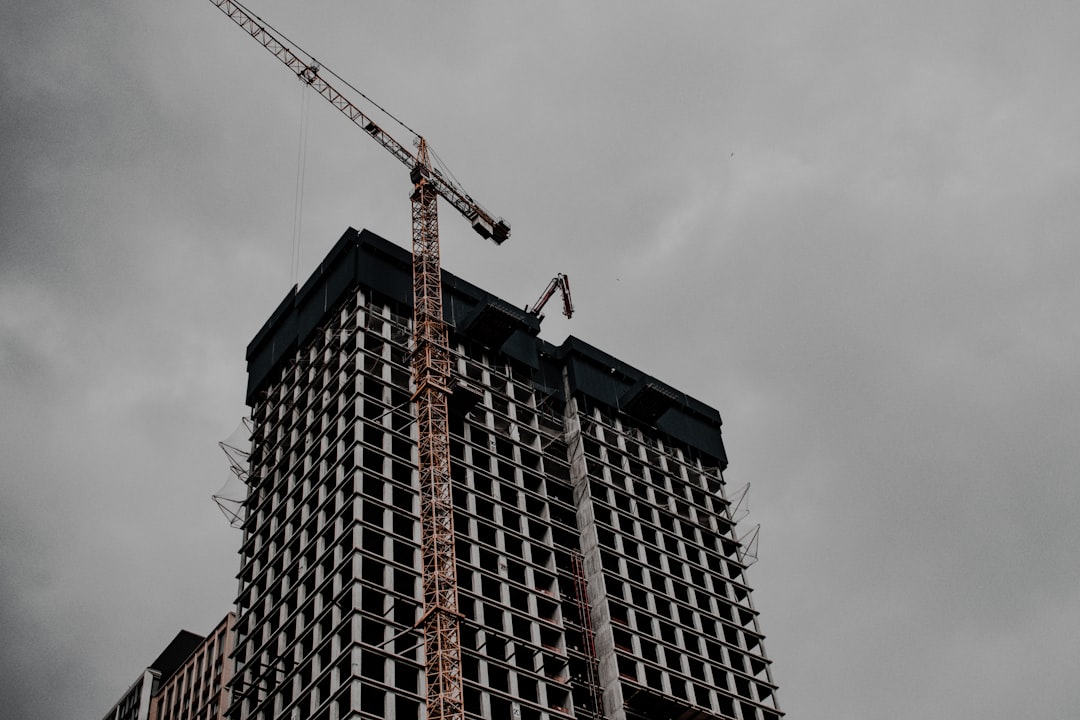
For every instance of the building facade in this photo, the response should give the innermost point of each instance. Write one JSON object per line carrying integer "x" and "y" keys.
{"x": 198, "y": 688}
{"x": 137, "y": 701}
{"x": 599, "y": 572}
{"x": 135, "y": 704}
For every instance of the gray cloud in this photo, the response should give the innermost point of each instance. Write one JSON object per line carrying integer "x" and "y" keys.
{"x": 850, "y": 228}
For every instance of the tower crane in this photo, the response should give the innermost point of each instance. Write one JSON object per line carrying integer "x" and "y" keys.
{"x": 430, "y": 365}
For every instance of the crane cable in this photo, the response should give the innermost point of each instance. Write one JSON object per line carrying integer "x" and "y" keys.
{"x": 449, "y": 177}
{"x": 311, "y": 57}
{"x": 446, "y": 170}
{"x": 298, "y": 198}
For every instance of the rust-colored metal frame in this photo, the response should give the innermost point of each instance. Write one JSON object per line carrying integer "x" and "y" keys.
{"x": 431, "y": 373}
{"x": 581, "y": 599}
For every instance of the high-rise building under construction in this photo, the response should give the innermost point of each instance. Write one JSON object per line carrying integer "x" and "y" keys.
{"x": 599, "y": 571}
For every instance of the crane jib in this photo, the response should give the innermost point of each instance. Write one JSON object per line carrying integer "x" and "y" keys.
{"x": 485, "y": 224}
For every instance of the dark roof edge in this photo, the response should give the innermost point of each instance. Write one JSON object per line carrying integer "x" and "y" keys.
{"x": 359, "y": 258}
{"x": 177, "y": 651}
{"x": 576, "y": 347}
{"x": 365, "y": 259}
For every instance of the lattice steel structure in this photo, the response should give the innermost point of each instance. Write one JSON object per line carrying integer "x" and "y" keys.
{"x": 431, "y": 374}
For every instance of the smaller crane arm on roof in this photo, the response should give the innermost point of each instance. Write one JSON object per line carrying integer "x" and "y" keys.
{"x": 559, "y": 283}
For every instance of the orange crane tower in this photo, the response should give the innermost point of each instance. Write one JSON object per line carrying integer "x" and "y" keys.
{"x": 430, "y": 367}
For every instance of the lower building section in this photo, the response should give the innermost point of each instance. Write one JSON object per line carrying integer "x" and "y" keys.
{"x": 187, "y": 681}
{"x": 198, "y": 689}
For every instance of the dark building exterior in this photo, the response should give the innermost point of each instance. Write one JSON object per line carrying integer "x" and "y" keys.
{"x": 599, "y": 571}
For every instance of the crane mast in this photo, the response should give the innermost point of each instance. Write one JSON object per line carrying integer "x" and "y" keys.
{"x": 431, "y": 375}
{"x": 431, "y": 367}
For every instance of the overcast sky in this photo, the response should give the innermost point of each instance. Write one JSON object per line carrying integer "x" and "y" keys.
{"x": 849, "y": 226}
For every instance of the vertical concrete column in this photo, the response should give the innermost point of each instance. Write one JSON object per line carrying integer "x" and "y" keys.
{"x": 590, "y": 551}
